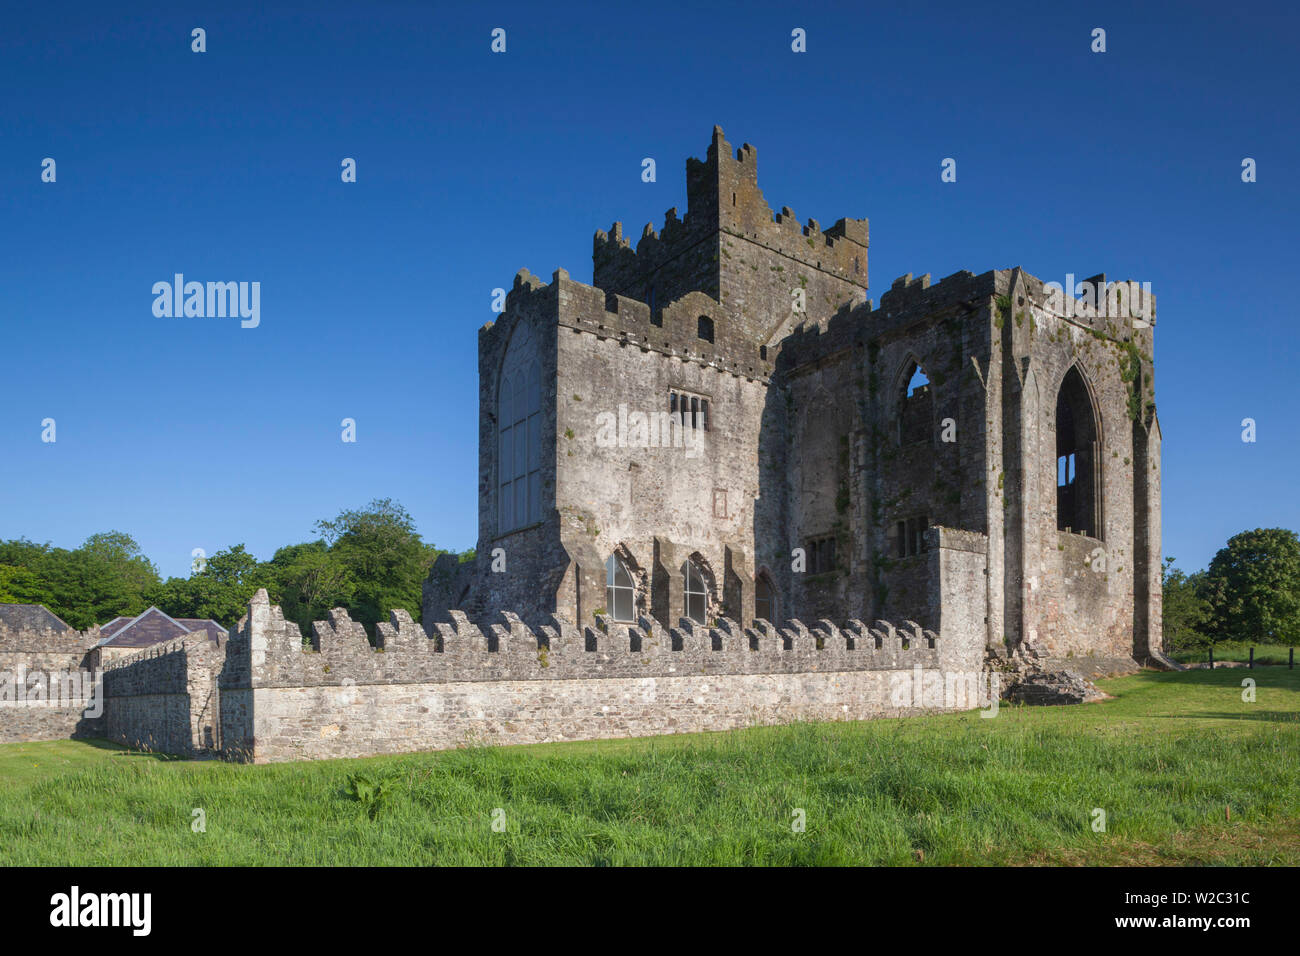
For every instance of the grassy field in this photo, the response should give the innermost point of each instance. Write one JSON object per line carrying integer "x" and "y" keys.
{"x": 1267, "y": 654}
{"x": 1186, "y": 772}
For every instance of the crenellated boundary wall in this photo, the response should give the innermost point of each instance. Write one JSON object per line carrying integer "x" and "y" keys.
{"x": 263, "y": 694}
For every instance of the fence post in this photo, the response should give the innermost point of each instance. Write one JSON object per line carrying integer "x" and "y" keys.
{"x": 1291, "y": 661}
{"x": 1252, "y": 658}
{"x": 1211, "y": 657}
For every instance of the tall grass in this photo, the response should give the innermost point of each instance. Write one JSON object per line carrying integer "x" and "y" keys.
{"x": 1167, "y": 761}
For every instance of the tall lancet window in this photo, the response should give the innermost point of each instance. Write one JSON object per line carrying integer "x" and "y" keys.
{"x": 1078, "y": 457}
{"x": 519, "y": 425}
{"x": 697, "y": 595}
{"x": 620, "y": 593}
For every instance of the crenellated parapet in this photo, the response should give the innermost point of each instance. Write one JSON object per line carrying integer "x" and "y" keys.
{"x": 46, "y": 640}
{"x": 508, "y": 649}
{"x": 723, "y": 199}
{"x": 166, "y": 667}
{"x": 672, "y": 329}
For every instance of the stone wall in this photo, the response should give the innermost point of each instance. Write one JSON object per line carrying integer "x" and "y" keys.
{"x": 165, "y": 698}
{"x": 509, "y": 683}
{"x": 47, "y": 685}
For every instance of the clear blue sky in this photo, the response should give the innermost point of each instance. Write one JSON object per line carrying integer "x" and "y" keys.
{"x": 225, "y": 166}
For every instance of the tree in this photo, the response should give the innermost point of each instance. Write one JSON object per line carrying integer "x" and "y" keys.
{"x": 221, "y": 591}
{"x": 106, "y": 577}
{"x": 1185, "y": 610}
{"x": 20, "y": 586}
{"x": 1253, "y": 587}
{"x": 307, "y": 580}
{"x": 121, "y": 552}
{"x": 384, "y": 557}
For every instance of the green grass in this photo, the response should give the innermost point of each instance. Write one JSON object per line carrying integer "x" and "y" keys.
{"x": 1186, "y": 771}
{"x": 1268, "y": 654}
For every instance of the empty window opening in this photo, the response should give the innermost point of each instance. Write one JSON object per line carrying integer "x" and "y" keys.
{"x": 821, "y": 555}
{"x": 705, "y": 328}
{"x": 1078, "y": 483}
{"x": 909, "y": 536}
{"x": 697, "y": 597}
{"x": 915, "y": 407}
{"x": 692, "y": 409}
{"x": 1065, "y": 470}
{"x": 620, "y": 593}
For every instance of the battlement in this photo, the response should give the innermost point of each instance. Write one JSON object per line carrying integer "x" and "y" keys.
{"x": 46, "y": 640}
{"x": 1120, "y": 310}
{"x": 1124, "y": 309}
{"x": 811, "y": 343}
{"x": 510, "y": 649}
{"x": 194, "y": 642}
{"x": 723, "y": 200}
{"x": 673, "y": 331}
{"x": 921, "y": 296}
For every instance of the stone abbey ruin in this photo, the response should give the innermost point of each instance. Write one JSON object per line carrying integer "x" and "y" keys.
{"x": 719, "y": 487}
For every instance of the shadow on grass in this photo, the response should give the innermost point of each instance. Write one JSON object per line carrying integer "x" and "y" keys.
{"x": 1268, "y": 716}
{"x": 119, "y": 750}
{"x": 99, "y": 743}
{"x": 1219, "y": 676}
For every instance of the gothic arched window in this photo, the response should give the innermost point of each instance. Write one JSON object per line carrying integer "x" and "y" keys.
{"x": 697, "y": 595}
{"x": 620, "y": 592}
{"x": 519, "y": 425}
{"x": 915, "y": 407}
{"x": 1078, "y": 457}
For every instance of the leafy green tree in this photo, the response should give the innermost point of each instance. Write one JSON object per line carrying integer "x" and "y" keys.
{"x": 369, "y": 560}
{"x": 21, "y": 553}
{"x": 307, "y": 580}
{"x": 120, "y": 552}
{"x": 384, "y": 556}
{"x": 106, "y": 577}
{"x": 1253, "y": 587}
{"x": 221, "y": 591}
{"x": 1185, "y": 610}
{"x": 20, "y": 586}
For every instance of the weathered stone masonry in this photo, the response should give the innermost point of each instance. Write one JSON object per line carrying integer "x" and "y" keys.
{"x": 1011, "y": 505}
{"x": 816, "y": 439}
{"x": 166, "y": 698}
{"x": 509, "y": 683}
{"x": 27, "y": 656}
